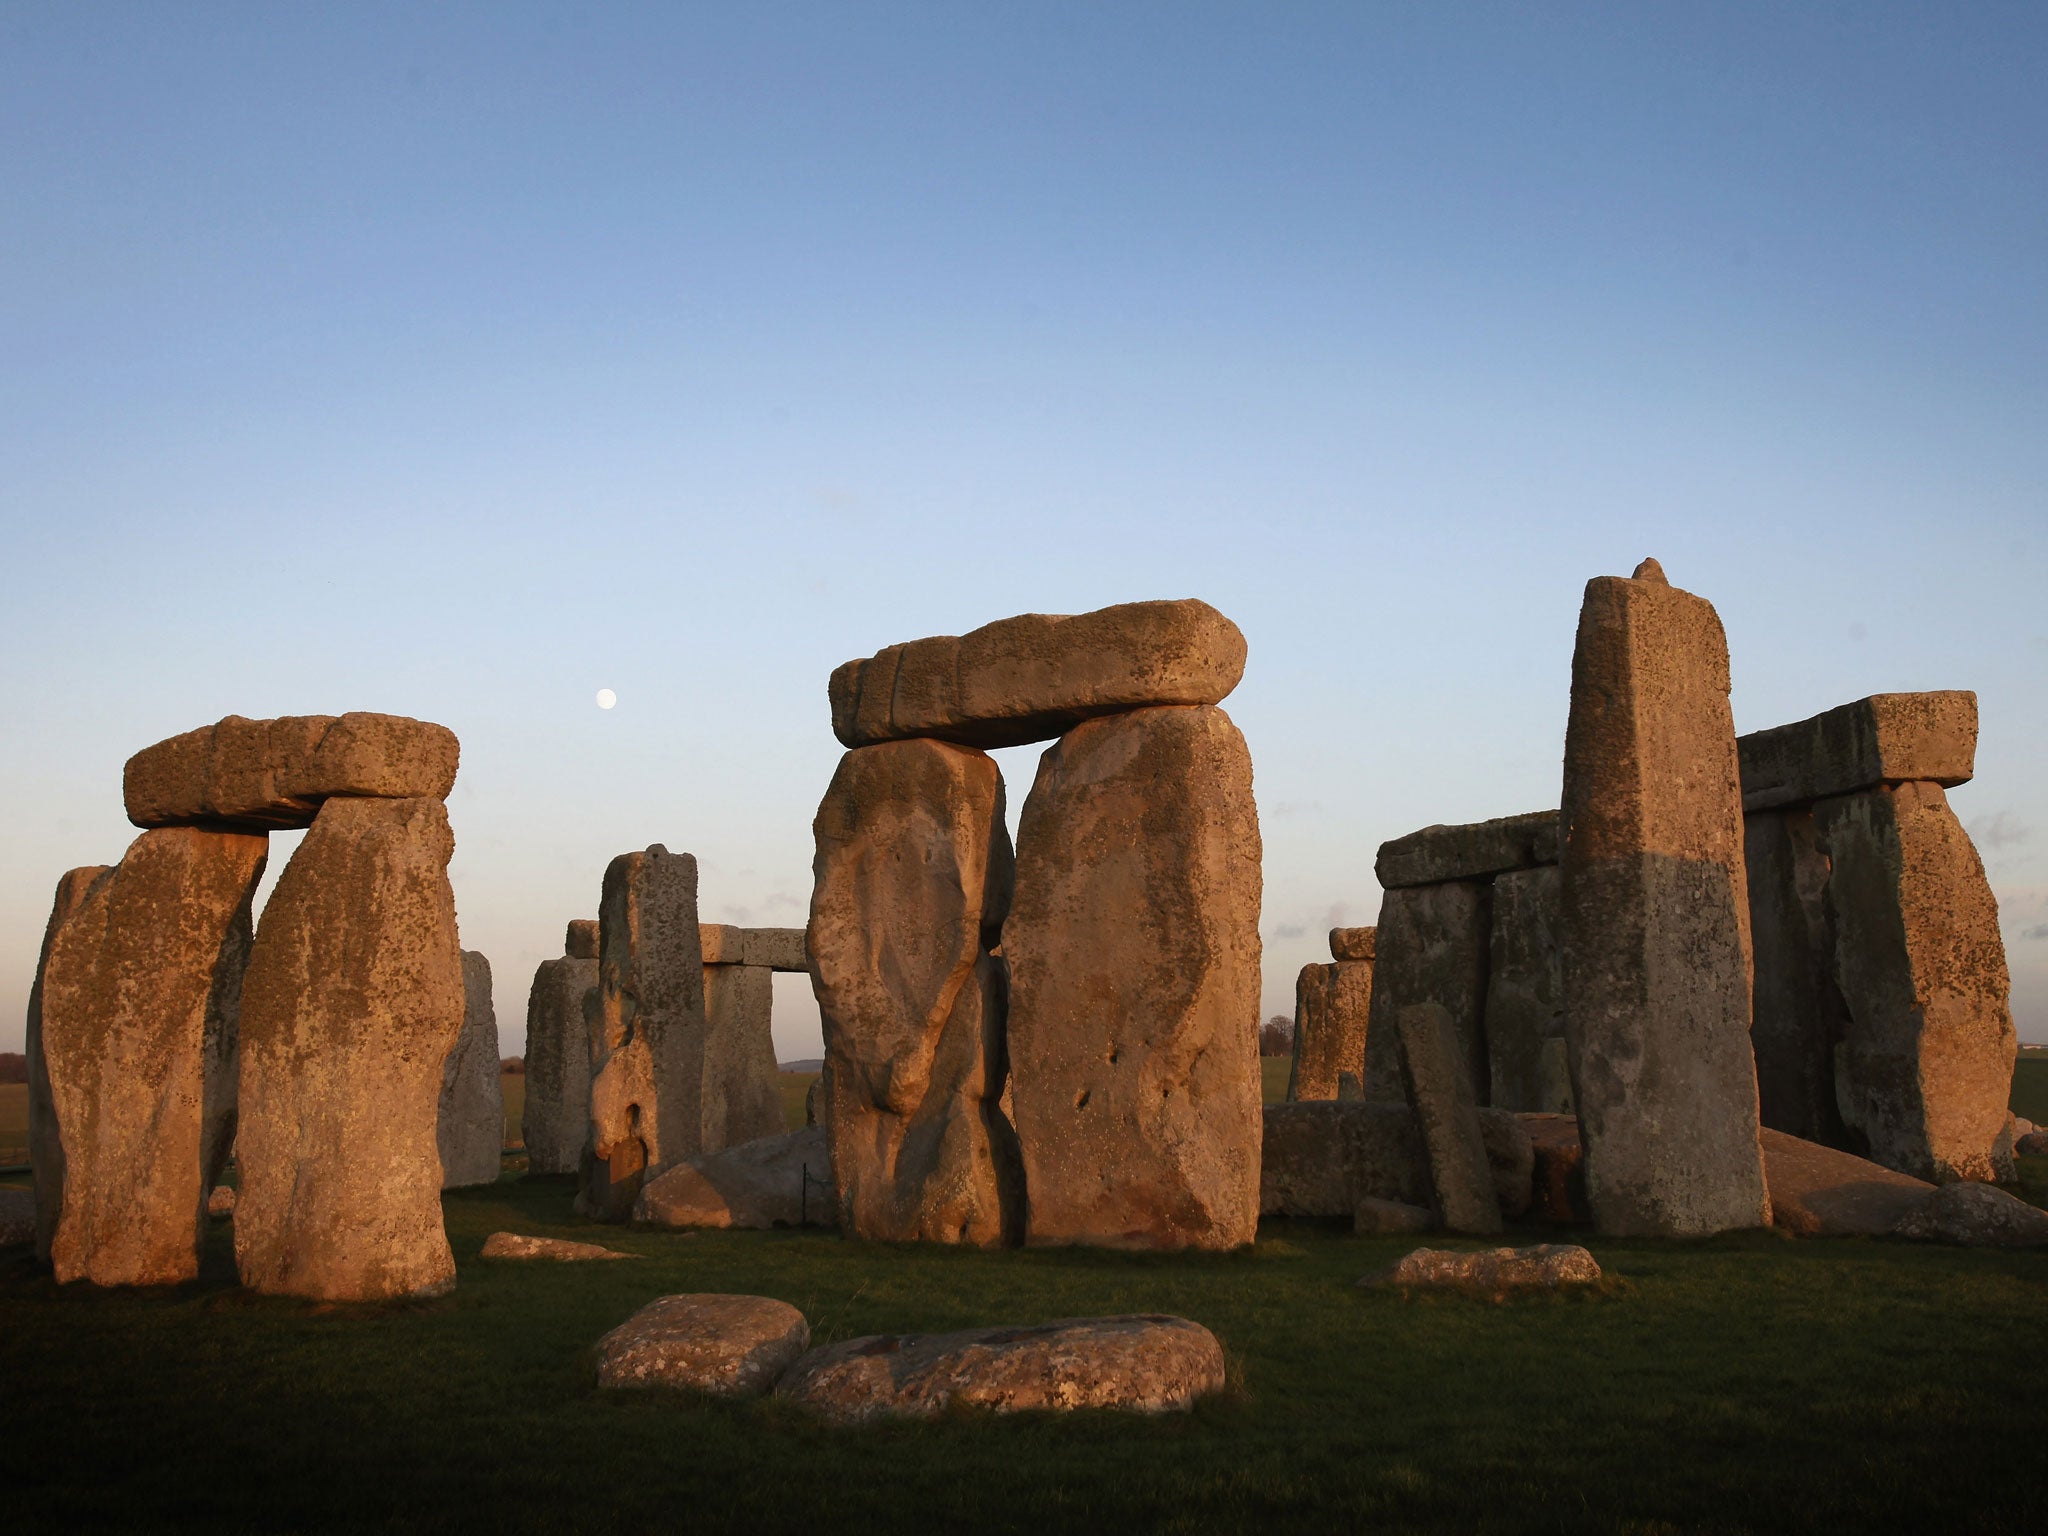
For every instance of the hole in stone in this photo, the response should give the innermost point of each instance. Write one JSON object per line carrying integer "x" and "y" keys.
{"x": 1114, "y": 1052}
{"x": 1081, "y": 1099}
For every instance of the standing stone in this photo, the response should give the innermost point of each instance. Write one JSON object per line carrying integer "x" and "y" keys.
{"x": 913, "y": 875}
{"x": 353, "y": 1001}
{"x": 1459, "y": 1172}
{"x": 647, "y": 1041}
{"x": 1432, "y": 943}
{"x": 555, "y": 1119}
{"x": 1656, "y": 917}
{"x": 580, "y": 942}
{"x": 1925, "y": 1067}
{"x": 45, "y": 1145}
{"x": 139, "y": 1006}
{"x": 470, "y": 1126}
{"x": 1798, "y": 1017}
{"x": 741, "y": 1098}
{"x": 1524, "y": 990}
{"x": 1331, "y": 1003}
{"x": 1134, "y": 960}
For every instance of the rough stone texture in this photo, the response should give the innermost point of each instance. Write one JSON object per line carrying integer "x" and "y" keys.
{"x": 353, "y": 1000}
{"x": 1798, "y": 1017}
{"x": 1818, "y": 1191}
{"x": 1390, "y": 1218}
{"x": 1925, "y": 1066}
{"x": 1433, "y": 942}
{"x": 1331, "y": 1005}
{"x": 141, "y": 994}
{"x": 1495, "y": 1273}
{"x": 17, "y": 1217}
{"x": 1147, "y": 1363}
{"x": 261, "y": 774}
{"x": 728, "y": 1346}
{"x": 1354, "y": 943}
{"x": 2032, "y": 1143}
{"x": 1323, "y": 1158}
{"x": 1558, "y": 1175}
{"x": 912, "y": 880}
{"x": 1524, "y": 991}
{"x": 1458, "y": 1170}
{"x": 1656, "y": 918}
{"x": 1974, "y": 1216}
{"x": 741, "y": 1100}
{"x": 554, "y": 1121}
{"x": 1133, "y": 949}
{"x": 581, "y": 941}
{"x": 779, "y": 949}
{"x": 777, "y": 1181}
{"x": 1884, "y": 739}
{"x": 719, "y": 943}
{"x": 1470, "y": 852}
{"x": 647, "y": 1038}
{"x": 815, "y": 1108}
{"x": 221, "y": 1203}
{"x": 45, "y": 1145}
{"x": 511, "y": 1245}
{"x": 470, "y": 1124}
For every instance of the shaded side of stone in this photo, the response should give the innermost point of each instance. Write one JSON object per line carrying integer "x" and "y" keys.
{"x": 741, "y": 1099}
{"x": 1798, "y": 1016}
{"x": 555, "y": 1117}
{"x": 1323, "y": 1158}
{"x": 1331, "y": 1006}
{"x": 776, "y": 1181}
{"x": 779, "y": 949}
{"x": 1887, "y": 738}
{"x": 1819, "y": 1191}
{"x": 470, "y": 1124}
{"x": 1524, "y": 992}
{"x": 1433, "y": 944}
{"x": 1469, "y": 852}
{"x": 1559, "y": 1167}
{"x": 45, "y": 1137}
{"x": 1437, "y": 1087}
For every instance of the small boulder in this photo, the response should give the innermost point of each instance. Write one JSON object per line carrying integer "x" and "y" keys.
{"x": 1495, "y": 1273}
{"x": 511, "y": 1245}
{"x": 2031, "y": 1142}
{"x": 1974, "y": 1216}
{"x": 221, "y": 1202}
{"x": 17, "y": 1217}
{"x": 774, "y": 1181}
{"x": 1390, "y": 1218}
{"x": 729, "y": 1346}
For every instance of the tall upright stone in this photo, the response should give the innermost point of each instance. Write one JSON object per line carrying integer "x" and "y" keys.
{"x": 1331, "y": 1006}
{"x": 554, "y": 1120}
{"x": 1433, "y": 1069}
{"x": 742, "y": 1100}
{"x": 1656, "y": 917}
{"x": 1798, "y": 1018}
{"x": 470, "y": 1125}
{"x": 1432, "y": 948}
{"x": 912, "y": 880}
{"x": 45, "y": 1145}
{"x": 140, "y": 997}
{"x": 1524, "y": 990}
{"x": 1133, "y": 948}
{"x": 353, "y": 1000}
{"x": 647, "y": 1062}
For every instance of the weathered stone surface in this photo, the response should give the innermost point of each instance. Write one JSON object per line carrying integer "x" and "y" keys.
{"x": 1559, "y": 1173}
{"x": 260, "y": 774}
{"x": 1468, "y": 852}
{"x": 1925, "y": 1065}
{"x": 470, "y": 1124}
{"x": 139, "y": 1020}
{"x": 554, "y": 1121}
{"x": 1354, "y": 943}
{"x": 1885, "y": 739}
{"x": 1146, "y": 1363}
{"x": 221, "y": 1203}
{"x": 1656, "y": 918}
{"x": 1433, "y": 942}
{"x": 647, "y": 1040}
{"x": 1322, "y": 1158}
{"x": 353, "y": 1000}
{"x": 2032, "y": 1143}
{"x": 741, "y": 1099}
{"x": 779, "y": 949}
{"x": 1818, "y": 1191}
{"x": 912, "y": 880}
{"x": 1134, "y": 985}
{"x": 719, "y": 943}
{"x": 815, "y": 1101}
{"x": 17, "y": 1217}
{"x": 1458, "y": 1170}
{"x": 1331, "y": 1005}
{"x": 1495, "y": 1273}
{"x": 1524, "y": 991}
{"x": 580, "y": 942}
{"x": 777, "y": 1181}
{"x": 728, "y": 1346}
{"x": 1511, "y": 1157}
{"x": 1797, "y": 1014}
{"x": 1391, "y": 1218}
{"x": 1038, "y": 675}
{"x": 45, "y": 1145}
{"x": 1974, "y": 1216}
{"x": 511, "y": 1245}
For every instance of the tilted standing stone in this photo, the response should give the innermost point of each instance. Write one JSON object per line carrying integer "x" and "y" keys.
{"x": 1331, "y": 1005}
{"x": 1797, "y": 1014}
{"x": 1133, "y": 949}
{"x": 1524, "y": 990}
{"x": 1459, "y": 1173}
{"x": 139, "y": 1007}
{"x": 354, "y": 999}
{"x": 913, "y": 874}
{"x": 1432, "y": 948}
{"x": 1656, "y": 917}
{"x": 647, "y": 1062}
{"x": 45, "y": 1145}
{"x": 741, "y": 1098}
{"x": 470, "y": 1125}
{"x": 554, "y": 1121}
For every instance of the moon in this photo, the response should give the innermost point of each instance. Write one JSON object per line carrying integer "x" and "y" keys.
{"x": 606, "y": 698}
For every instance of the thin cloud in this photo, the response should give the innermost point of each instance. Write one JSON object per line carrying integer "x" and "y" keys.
{"x": 2000, "y": 830}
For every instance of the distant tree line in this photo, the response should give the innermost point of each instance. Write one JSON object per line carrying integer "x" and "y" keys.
{"x": 1276, "y": 1036}
{"x": 512, "y": 1066}
{"x": 13, "y": 1067}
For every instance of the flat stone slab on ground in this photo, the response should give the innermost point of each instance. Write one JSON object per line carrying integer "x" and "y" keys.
{"x": 728, "y": 1346}
{"x": 17, "y": 1217}
{"x": 1817, "y": 1191}
{"x": 511, "y": 1245}
{"x": 1888, "y": 738}
{"x": 1468, "y": 852}
{"x": 1147, "y": 1363}
{"x": 1975, "y": 1216}
{"x": 755, "y": 1184}
{"x": 1492, "y": 1272}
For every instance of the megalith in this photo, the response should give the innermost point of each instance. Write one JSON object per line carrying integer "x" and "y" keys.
{"x": 1331, "y": 1005}
{"x": 1798, "y": 1018}
{"x": 1655, "y": 917}
{"x": 554, "y": 1121}
{"x": 1133, "y": 949}
{"x": 1524, "y": 990}
{"x": 140, "y": 1003}
{"x": 912, "y": 880}
{"x": 45, "y": 1145}
{"x": 1432, "y": 948}
{"x": 1433, "y": 1068}
{"x": 353, "y": 1000}
{"x": 741, "y": 1098}
{"x": 470, "y": 1124}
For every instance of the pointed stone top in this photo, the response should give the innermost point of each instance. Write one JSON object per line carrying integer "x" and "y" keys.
{"x": 1650, "y": 570}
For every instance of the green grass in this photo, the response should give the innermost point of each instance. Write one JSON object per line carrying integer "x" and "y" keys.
{"x": 2030, "y": 1086}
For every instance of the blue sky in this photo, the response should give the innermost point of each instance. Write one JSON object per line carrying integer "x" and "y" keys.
{"x": 458, "y": 361}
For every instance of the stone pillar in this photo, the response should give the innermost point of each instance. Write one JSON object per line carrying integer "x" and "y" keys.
{"x": 1432, "y": 1068}
{"x": 45, "y": 1144}
{"x": 1656, "y": 918}
{"x": 913, "y": 875}
{"x": 1133, "y": 949}
{"x": 555, "y": 1119}
{"x": 741, "y": 1099}
{"x": 1432, "y": 949}
{"x": 470, "y": 1124}
{"x": 1524, "y": 991}
{"x": 1798, "y": 1017}
{"x": 354, "y": 999}
{"x": 1331, "y": 1006}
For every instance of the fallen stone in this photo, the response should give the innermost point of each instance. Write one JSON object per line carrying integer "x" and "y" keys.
{"x": 1469, "y": 852}
{"x": 779, "y": 949}
{"x": 742, "y": 1101}
{"x": 1433, "y": 942}
{"x": 1524, "y": 992}
{"x": 221, "y": 1203}
{"x": 728, "y": 1346}
{"x": 17, "y": 1217}
{"x": 1974, "y": 1216}
{"x": 554, "y": 1120}
{"x": 1322, "y": 1158}
{"x": 354, "y": 998}
{"x": 912, "y": 878}
{"x": 45, "y": 1145}
{"x": 1038, "y": 675}
{"x": 2032, "y": 1143}
{"x": 777, "y": 1181}
{"x": 1884, "y": 739}
{"x": 1353, "y": 943}
{"x": 581, "y": 941}
{"x": 1798, "y": 1016}
{"x": 263, "y": 774}
{"x": 1133, "y": 951}
{"x": 511, "y": 1245}
{"x": 1817, "y": 1191}
{"x": 1458, "y": 1169}
{"x": 1559, "y": 1172}
{"x": 1144, "y": 1363}
{"x": 1656, "y": 918}
{"x": 1331, "y": 1006}
{"x": 1495, "y": 1273}
{"x": 470, "y": 1123}
{"x": 1390, "y": 1218}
